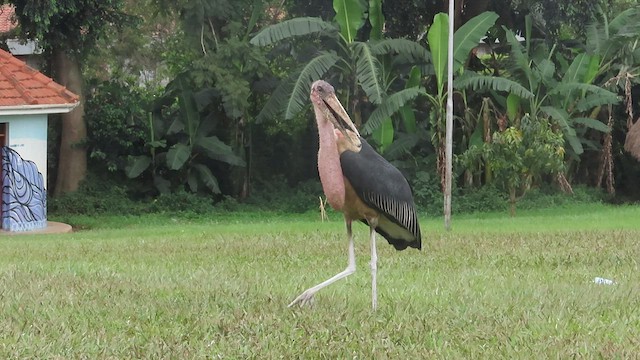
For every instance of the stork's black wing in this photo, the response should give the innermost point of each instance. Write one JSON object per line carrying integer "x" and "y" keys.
{"x": 383, "y": 187}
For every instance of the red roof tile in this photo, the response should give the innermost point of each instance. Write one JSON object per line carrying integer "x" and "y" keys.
{"x": 7, "y": 22}
{"x": 22, "y": 85}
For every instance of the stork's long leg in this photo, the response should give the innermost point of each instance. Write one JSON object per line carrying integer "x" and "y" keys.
{"x": 307, "y": 295}
{"x": 373, "y": 223}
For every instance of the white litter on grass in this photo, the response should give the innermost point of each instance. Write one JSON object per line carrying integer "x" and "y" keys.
{"x": 603, "y": 281}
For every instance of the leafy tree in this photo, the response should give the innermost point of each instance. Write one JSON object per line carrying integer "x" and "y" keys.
{"x": 67, "y": 31}
{"x": 519, "y": 156}
{"x": 218, "y": 67}
{"x": 117, "y": 124}
{"x": 182, "y": 147}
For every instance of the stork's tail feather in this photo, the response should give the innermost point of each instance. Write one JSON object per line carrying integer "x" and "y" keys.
{"x": 398, "y": 243}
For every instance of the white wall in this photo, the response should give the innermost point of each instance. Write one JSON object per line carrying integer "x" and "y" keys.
{"x": 27, "y": 134}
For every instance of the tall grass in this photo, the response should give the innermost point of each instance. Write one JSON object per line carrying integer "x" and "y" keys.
{"x": 163, "y": 287}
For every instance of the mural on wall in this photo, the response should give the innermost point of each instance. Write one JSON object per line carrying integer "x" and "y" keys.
{"x": 24, "y": 197}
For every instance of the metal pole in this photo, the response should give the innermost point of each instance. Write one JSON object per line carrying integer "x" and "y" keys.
{"x": 449, "y": 123}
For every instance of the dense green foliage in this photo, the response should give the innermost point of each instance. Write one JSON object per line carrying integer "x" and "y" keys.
{"x": 211, "y": 98}
{"x": 117, "y": 124}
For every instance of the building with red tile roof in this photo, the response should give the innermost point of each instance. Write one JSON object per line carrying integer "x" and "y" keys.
{"x": 26, "y": 90}
{"x": 26, "y": 98}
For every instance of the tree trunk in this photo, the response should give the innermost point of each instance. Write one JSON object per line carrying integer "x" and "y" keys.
{"x": 512, "y": 201}
{"x": 72, "y": 159}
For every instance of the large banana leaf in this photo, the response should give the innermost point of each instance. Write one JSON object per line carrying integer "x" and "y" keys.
{"x": 520, "y": 61}
{"x": 402, "y": 145}
{"x": 383, "y": 135}
{"x": 207, "y": 178}
{"x": 546, "y": 70}
{"x": 592, "y": 124}
{"x": 469, "y": 35}
{"x": 412, "y": 50}
{"x": 593, "y": 100}
{"x": 578, "y": 69}
{"x": 476, "y": 82}
{"x": 565, "y": 88}
{"x": 626, "y": 18}
{"x": 368, "y": 72}
{"x": 314, "y": 70}
{"x": 376, "y": 19}
{"x": 350, "y": 15}
{"x": 292, "y": 94}
{"x": 406, "y": 112}
{"x": 178, "y": 155}
{"x": 188, "y": 109}
{"x": 389, "y": 106}
{"x": 437, "y": 37}
{"x": 137, "y": 165}
{"x": 465, "y": 39}
{"x": 290, "y": 28}
{"x": 513, "y": 106}
{"x": 217, "y": 150}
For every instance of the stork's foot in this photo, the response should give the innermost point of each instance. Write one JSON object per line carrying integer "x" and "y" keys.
{"x": 306, "y": 298}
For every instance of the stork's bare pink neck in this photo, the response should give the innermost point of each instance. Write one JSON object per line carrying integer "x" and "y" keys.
{"x": 329, "y": 164}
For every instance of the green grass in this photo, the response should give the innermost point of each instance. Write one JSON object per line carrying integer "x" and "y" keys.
{"x": 217, "y": 287}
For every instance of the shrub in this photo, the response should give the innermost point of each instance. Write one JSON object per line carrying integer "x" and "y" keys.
{"x": 277, "y": 195}
{"x": 117, "y": 123}
{"x": 95, "y": 196}
{"x": 181, "y": 202}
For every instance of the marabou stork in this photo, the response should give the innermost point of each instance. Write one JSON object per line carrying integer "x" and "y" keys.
{"x": 361, "y": 184}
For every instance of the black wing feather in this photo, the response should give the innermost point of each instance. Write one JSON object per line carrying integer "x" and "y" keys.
{"x": 382, "y": 186}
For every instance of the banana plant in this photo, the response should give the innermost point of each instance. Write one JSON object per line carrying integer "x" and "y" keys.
{"x": 362, "y": 71}
{"x": 465, "y": 39}
{"x": 535, "y": 86}
{"x": 182, "y": 147}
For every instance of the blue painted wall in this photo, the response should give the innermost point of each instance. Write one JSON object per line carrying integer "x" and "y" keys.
{"x": 24, "y": 197}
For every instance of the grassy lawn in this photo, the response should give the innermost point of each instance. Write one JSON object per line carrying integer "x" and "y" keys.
{"x": 217, "y": 287}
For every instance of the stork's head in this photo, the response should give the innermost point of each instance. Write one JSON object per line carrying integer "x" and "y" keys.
{"x": 328, "y": 108}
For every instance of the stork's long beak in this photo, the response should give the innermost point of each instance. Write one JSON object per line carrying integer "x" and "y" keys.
{"x": 338, "y": 116}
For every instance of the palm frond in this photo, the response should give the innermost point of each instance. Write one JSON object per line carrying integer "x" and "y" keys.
{"x": 520, "y": 60}
{"x": 546, "y": 70}
{"x": 292, "y": 93}
{"x": 411, "y": 50}
{"x": 401, "y": 145}
{"x": 368, "y": 72}
{"x": 350, "y": 14}
{"x": 314, "y": 70}
{"x": 596, "y": 38}
{"x": 389, "y": 106}
{"x": 626, "y": 18}
{"x": 593, "y": 100}
{"x": 566, "y": 88}
{"x": 517, "y": 52}
{"x": 273, "y": 107}
{"x": 207, "y": 178}
{"x": 592, "y": 124}
{"x": 578, "y": 68}
{"x": 476, "y": 82}
{"x": 291, "y": 28}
